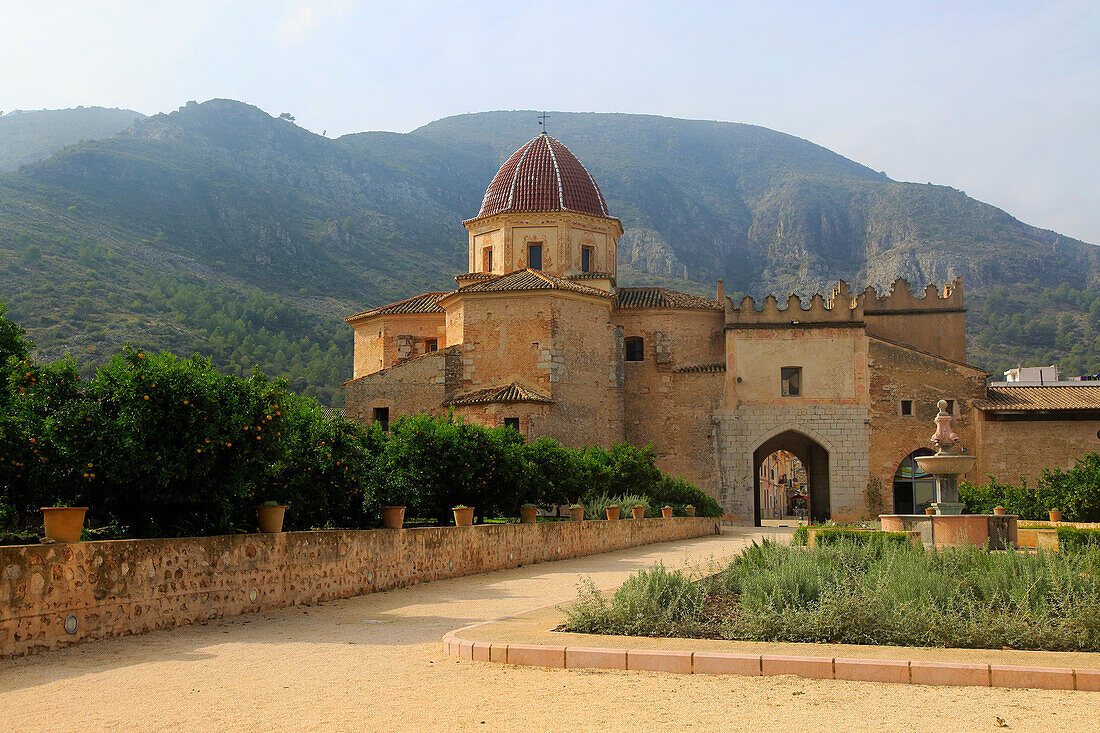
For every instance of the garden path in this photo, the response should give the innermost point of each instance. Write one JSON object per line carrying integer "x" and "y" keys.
{"x": 375, "y": 662}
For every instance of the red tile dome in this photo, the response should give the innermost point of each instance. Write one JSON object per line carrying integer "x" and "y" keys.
{"x": 543, "y": 176}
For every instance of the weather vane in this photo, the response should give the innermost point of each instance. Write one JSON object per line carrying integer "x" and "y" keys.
{"x": 542, "y": 120}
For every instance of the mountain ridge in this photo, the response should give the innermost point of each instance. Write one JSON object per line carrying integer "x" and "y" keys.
{"x": 221, "y": 195}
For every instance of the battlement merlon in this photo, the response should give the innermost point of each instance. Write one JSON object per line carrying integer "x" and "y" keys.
{"x": 840, "y": 308}
{"x": 900, "y": 298}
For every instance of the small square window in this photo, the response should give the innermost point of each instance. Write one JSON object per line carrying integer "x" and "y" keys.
{"x": 382, "y": 417}
{"x": 907, "y": 408}
{"x": 534, "y": 256}
{"x": 635, "y": 349}
{"x": 431, "y": 345}
{"x": 586, "y": 259}
{"x": 791, "y": 378}
{"x": 512, "y": 422}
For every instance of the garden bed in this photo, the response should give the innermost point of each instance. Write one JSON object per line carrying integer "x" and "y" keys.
{"x": 877, "y": 594}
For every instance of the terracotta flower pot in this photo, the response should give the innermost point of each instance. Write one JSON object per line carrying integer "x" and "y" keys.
{"x": 1056, "y": 515}
{"x": 528, "y": 514}
{"x": 576, "y": 514}
{"x": 690, "y": 511}
{"x": 270, "y": 518}
{"x": 63, "y": 523}
{"x": 666, "y": 512}
{"x": 393, "y": 517}
{"x": 613, "y": 512}
{"x": 637, "y": 512}
{"x": 930, "y": 510}
{"x": 464, "y": 516}
{"x": 999, "y": 510}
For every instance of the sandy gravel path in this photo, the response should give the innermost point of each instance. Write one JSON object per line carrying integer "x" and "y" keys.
{"x": 375, "y": 663}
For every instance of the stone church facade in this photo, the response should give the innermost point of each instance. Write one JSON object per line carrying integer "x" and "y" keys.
{"x": 538, "y": 336}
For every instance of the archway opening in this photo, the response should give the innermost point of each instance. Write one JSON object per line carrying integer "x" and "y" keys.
{"x": 914, "y": 489}
{"x": 803, "y": 462}
{"x": 783, "y": 487}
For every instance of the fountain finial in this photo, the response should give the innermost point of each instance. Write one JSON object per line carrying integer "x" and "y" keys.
{"x": 944, "y": 438}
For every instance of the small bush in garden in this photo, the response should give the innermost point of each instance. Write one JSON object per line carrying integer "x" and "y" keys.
{"x": 654, "y": 602}
{"x": 1075, "y": 539}
{"x": 840, "y": 535}
{"x": 1075, "y": 492}
{"x": 866, "y": 594}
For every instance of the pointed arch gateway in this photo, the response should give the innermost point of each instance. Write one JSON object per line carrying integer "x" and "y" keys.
{"x": 814, "y": 459}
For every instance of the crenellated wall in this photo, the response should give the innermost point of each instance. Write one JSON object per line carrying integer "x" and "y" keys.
{"x": 934, "y": 322}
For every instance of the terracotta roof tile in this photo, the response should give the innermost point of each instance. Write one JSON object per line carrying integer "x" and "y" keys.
{"x": 592, "y": 276}
{"x": 529, "y": 280}
{"x": 701, "y": 368}
{"x": 1046, "y": 397}
{"x": 663, "y": 298}
{"x": 423, "y": 303}
{"x": 508, "y": 393}
{"x": 543, "y": 176}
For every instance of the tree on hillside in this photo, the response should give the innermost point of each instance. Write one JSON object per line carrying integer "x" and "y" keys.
{"x": 286, "y": 116}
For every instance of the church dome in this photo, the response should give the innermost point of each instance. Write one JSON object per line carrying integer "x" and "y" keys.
{"x": 543, "y": 176}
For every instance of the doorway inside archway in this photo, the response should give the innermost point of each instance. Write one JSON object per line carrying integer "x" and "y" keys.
{"x": 799, "y": 459}
{"x": 914, "y": 490}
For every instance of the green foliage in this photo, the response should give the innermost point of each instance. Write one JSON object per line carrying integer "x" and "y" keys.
{"x": 1077, "y": 539}
{"x": 1075, "y": 492}
{"x": 167, "y": 446}
{"x": 653, "y": 602}
{"x": 432, "y": 464}
{"x": 874, "y": 539}
{"x": 801, "y": 536}
{"x": 864, "y": 594}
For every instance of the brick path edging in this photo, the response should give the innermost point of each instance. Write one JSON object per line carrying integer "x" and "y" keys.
{"x": 756, "y": 665}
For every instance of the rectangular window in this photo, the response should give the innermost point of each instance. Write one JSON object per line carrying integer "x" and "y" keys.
{"x": 534, "y": 256}
{"x": 791, "y": 377}
{"x": 950, "y": 407}
{"x": 487, "y": 259}
{"x": 512, "y": 422}
{"x": 431, "y": 345}
{"x": 635, "y": 349}
{"x": 586, "y": 259}
{"x": 382, "y": 417}
{"x": 907, "y": 408}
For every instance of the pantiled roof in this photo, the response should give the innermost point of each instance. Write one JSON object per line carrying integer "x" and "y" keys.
{"x": 508, "y": 393}
{"x": 543, "y": 176}
{"x": 423, "y": 303}
{"x": 529, "y": 280}
{"x": 701, "y": 368}
{"x": 470, "y": 276}
{"x": 663, "y": 298}
{"x": 1036, "y": 398}
{"x": 592, "y": 276}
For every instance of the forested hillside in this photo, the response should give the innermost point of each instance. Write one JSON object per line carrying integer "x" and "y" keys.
{"x": 30, "y": 135}
{"x": 221, "y": 229}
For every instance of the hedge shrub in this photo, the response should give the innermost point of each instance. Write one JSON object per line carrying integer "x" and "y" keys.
{"x": 873, "y": 538}
{"x": 1075, "y": 492}
{"x": 1075, "y": 539}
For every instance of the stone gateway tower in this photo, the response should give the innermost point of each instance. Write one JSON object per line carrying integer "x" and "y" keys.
{"x": 538, "y": 335}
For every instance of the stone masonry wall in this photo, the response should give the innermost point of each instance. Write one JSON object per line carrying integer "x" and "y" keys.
{"x": 123, "y": 587}
{"x": 841, "y": 430}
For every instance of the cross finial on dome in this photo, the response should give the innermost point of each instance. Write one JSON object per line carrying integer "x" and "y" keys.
{"x": 542, "y": 121}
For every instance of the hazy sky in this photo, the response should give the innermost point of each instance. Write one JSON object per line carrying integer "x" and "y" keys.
{"x": 1000, "y": 99}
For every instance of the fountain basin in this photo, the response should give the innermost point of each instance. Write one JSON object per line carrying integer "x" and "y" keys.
{"x": 995, "y": 531}
{"x": 943, "y": 464}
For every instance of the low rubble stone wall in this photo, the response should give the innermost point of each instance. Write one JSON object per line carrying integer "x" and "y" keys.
{"x": 61, "y": 594}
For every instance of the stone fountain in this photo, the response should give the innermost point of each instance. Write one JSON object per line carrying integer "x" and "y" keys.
{"x": 949, "y": 527}
{"x": 946, "y": 466}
